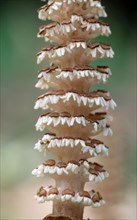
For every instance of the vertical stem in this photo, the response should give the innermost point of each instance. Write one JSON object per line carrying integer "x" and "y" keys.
{"x": 68, "y": 208}
{"x": 74, "y": 211}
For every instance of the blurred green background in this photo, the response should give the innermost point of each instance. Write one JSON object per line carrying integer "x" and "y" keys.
{"x": 19, "y": 45}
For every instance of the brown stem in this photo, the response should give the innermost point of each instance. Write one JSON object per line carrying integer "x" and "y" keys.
{"x": 67, "y": 208}
{"x": 53, "y": 217}
{"x": 74, "y": 211}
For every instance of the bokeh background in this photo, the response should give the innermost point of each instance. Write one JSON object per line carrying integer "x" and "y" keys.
{"x": 19, "y": 45}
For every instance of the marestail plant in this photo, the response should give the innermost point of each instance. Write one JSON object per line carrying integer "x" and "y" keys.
{"x": 74, "y": 114}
